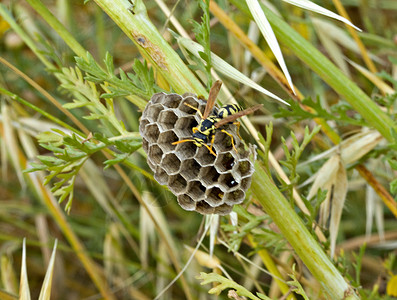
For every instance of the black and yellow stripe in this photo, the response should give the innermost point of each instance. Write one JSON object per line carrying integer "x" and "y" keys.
{"x": 228, "y": 110}
{"x": 204, "y": 132}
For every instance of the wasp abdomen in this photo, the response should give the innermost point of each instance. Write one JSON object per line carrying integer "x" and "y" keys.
{"x": 228, "y": 110}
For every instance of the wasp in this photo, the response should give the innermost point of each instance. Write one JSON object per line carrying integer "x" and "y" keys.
{"x": 204, "y": 132}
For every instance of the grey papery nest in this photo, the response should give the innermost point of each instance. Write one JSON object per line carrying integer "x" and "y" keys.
{"x": 201, "y": 181}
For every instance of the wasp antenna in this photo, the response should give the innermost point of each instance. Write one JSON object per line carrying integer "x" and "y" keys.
{"x": 235, "y": 116}
{"x": 196, "y": 109}
{"x": 214, "y": 91}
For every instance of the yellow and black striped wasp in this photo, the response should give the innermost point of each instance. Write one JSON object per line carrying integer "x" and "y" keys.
{"x": 204, "y": 132}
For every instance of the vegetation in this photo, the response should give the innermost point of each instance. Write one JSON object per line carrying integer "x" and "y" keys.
{"x": 75, "y": 78}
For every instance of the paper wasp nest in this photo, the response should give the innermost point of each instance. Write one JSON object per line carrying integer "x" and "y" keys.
{"x": 201, "y": 181}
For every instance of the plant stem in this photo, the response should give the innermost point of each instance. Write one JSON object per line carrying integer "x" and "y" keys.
{"x": 293, "y": 229}
{"x": 134, "y": 21}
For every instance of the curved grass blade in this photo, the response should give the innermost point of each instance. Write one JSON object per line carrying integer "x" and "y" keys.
{"x": 45, "y": 293}
{"x": 320, "y": 10}
{"x": 24, "y": 292}
{"x": 268, "y": 34}
{"x": 223, "y": 67}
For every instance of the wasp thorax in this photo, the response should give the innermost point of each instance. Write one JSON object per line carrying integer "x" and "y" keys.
{"x": 202, "y": 182}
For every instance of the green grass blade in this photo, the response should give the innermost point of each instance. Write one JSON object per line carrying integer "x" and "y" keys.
{"x": 66, "y": 36}
{"x": 329, "y": 73}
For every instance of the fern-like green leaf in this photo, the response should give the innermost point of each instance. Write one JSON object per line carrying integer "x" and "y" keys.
{"x": 292, "y": 158}
{"x": 340, "y": 112}
{"x": 225, "y": 283}
{"x": 71, "y": 152}
{"x": 127, "y": 148}
{"x": 298, "y": 289}
{"x": 141, "y": 84}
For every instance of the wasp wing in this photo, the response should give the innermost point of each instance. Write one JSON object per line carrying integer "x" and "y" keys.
{"x": 235, "y": 116}
{"x": 214, "y": 91}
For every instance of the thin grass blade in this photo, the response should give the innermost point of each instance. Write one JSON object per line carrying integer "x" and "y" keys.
{"x": 223, "y": 67}
{"x": 45, "y": 293}
{"x": 146, "y": 232}
{"x": 214, "y": 220}
{"x": 374, "y": 208}
{"x": 380, "y": 219}
{"x": 339, "y": 192}
{"x": 370, "y": 198}
{"x": 162, "y": 268}
{"x": 354, "y": 149}
{"x": 351, "y": 149}
{"x": 324, "y": 176}
{"x": 8, "y": 277}
{"x": 10, "y": 141}
{"x": 24, "y": 292}
{"x": 268, "y": 34}
{"x": 320, "y": 10}
{"x": 113, "y": 252}
{"x": 204, "y": 259}
{"x": 332, "y": 48}
{"x": 338, "y": 35}
{"x": 158, "y": 215}
{"x": 380, "y": 84}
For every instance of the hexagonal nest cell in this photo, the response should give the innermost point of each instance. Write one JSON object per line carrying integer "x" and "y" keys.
{"x": 202, "y": 182}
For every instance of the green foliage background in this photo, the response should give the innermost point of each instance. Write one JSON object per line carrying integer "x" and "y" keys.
{"x": 74, "y": 80}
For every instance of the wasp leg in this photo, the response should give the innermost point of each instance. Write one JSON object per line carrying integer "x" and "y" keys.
{"x": 237, "y": 123}
{"x": 231, "y": 138}
{"x": 212, "y": 143}
{"x": 210, "y": 149}
{"x": 182, "y": 141}
{"x": 195, "y": 108}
